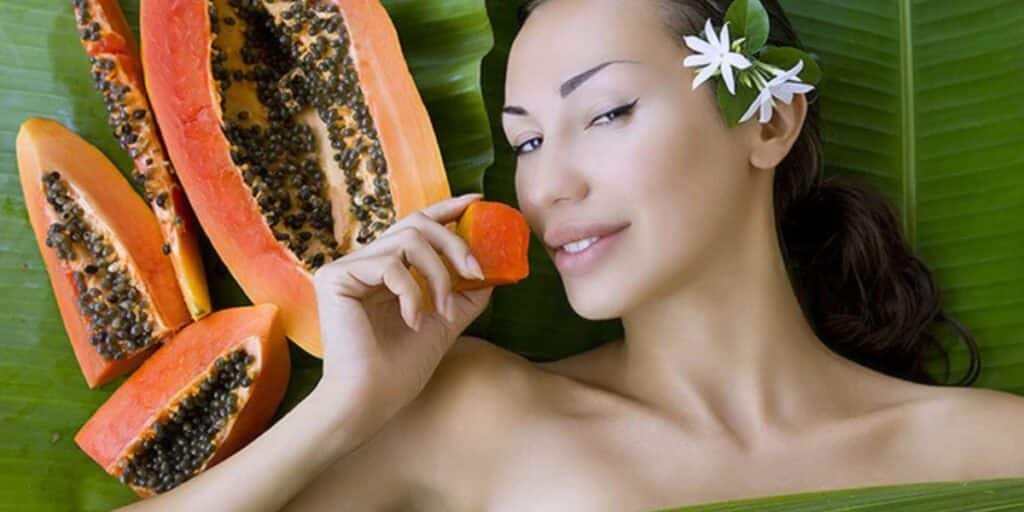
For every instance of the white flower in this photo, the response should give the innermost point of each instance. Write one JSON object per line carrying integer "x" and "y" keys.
{"x": 780, "y": 87}
{"x": 716, "y": 54}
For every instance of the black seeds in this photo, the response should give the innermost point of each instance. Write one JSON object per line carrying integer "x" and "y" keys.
{"x": 179, "y": 445}
{"x": 98, "y": 275}
{"x": 166, "y": 248}
{"x": 278, "y": 157}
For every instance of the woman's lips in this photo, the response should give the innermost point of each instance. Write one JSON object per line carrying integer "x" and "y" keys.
{"x": 586, "y": 260}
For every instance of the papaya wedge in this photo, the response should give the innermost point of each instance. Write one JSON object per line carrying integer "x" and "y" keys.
{"x": 117, "y": 74}
{"x": 201, "y": 397}
{"x": 297, "y": 133}
{"x": 101, "y": 247}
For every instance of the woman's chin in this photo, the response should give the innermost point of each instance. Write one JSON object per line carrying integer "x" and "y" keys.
{"x": 597, "y": 302}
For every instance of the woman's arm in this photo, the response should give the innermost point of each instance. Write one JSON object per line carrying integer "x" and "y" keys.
{"x": 380, "y": 349}
{"x": 274, "y": 467}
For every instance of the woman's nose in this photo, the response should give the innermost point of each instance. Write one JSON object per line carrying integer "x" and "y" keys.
{"x": 557, "y": 178}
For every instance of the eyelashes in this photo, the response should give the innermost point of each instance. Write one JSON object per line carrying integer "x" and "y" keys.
{"x": 615, "y": 112}
{"x": 519, "y": 150}
{"x": 611, "y": 115}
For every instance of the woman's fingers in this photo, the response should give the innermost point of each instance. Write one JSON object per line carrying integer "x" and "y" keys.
{"x": 357, "y": 278}
{"x": 445, "y": 240}
{"x": 441, "y": 212}
{"x": 419, "y": 239}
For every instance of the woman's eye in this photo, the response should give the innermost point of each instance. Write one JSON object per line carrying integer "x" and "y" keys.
{"x": 612, "y": 114}
{"x": 527, "y": 146}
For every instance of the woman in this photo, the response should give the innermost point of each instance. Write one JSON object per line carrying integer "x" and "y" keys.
{"x": 723, "y": 387}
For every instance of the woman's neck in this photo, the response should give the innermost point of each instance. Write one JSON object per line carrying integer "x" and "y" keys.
{"x": 732, "y": 352}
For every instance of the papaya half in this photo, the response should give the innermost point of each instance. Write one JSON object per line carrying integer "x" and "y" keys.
{"x": 297, "y": 133}
{"x": 117, "y": 74}
{"x": 101, "y": 246}
{"x": 198, "y": 399}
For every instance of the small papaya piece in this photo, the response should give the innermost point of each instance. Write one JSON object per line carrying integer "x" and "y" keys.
{"x": 498, "y": 237}
{"x": 201, "y": 397}
{"x": 117, "y": 72}
{"x": 101, "y": 246}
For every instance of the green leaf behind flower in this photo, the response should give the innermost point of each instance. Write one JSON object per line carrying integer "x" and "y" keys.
{"x": 748, "y": 18}
{"x": 785, "y": 57}
{"x": 733, "y": 107}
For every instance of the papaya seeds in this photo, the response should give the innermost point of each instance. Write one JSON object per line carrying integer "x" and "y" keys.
{"x": 116, "y": 72}
{"x": 310, "y": 120}
{"x": 297, "y": 120}
{"x": 100, "y": 244}
{"x": 107, "y": 295}
{"x": 201, "y": 397}
{"x": 182, "y": 442}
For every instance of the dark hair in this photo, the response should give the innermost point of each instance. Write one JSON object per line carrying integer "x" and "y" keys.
{"x": 864, "y": 292}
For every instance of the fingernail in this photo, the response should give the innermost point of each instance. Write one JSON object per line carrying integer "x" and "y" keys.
{"x": 472, "y": 194}
{"x": 474, "y": 267}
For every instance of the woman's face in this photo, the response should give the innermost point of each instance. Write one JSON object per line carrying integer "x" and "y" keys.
{"x": 625, "y": 143}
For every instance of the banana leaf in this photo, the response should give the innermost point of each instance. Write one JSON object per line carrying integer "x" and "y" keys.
{"x": 936, "y": 115}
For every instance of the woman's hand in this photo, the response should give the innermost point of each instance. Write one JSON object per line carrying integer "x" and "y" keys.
{"x": 380, "y": 348}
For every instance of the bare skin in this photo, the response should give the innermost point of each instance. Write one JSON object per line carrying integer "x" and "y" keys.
{"x": 719, "y": 389}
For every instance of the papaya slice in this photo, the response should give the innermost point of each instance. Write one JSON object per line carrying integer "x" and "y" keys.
{"x": 116, "y": 71}
{"x": 201, "y": 397}
{"x": 114, "y": 286}
{"x": 499, "y": 239}
{"x": 297, "y": 132}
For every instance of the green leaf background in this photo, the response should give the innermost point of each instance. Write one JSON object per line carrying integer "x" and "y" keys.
{"x": 923, "y": 98}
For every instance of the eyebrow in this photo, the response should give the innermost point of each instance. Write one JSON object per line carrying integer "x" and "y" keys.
{"x": 569, "y": 85}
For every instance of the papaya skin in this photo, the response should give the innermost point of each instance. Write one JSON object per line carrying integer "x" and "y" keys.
{"x": 176, "y": 369}
{"x": 43, "y": 145}
{"x": 116, "y": 44}
{"x": 176, "y": 43}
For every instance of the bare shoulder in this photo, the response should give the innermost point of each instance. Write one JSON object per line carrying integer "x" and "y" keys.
{"x": 477, "y": 375}
{"x": 437, "y": 451}
{"x": 984, "y": 426}
{"x": 475, "y": 399}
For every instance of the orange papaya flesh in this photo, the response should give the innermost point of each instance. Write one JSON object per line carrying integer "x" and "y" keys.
{"x": 117, "y": 72}
{"x": 498, "y": 236}
{"x": 101, "y": 247}
{"x": 198, "y": 399}
{"x": 297, "y": 132}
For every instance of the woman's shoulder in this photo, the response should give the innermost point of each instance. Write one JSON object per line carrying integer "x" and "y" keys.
{"x": 477, "y": 385}
{"x": 977, "y": 429}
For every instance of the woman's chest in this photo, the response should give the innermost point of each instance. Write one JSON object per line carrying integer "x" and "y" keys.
{"x": 646, "y": 465}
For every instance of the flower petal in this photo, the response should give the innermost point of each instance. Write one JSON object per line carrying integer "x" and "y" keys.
{"x": 737, "y": 60}
{"x": 703, "y": 76}
{"x": 697, "y": 60}
{"x": 699, "y": 45}
{"x": 783, "y": 94}
{"x": 723, "y": 41}
{"x": 766, "y": 111}
{"x": 727, "y": 76}
{"x": 790, "y": 73}
{"x": 799, "y": 88}
{"x": 751, "y": 109}
{"x": 709, "y": 34}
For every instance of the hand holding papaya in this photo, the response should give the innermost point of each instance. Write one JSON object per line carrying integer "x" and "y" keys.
{"x": 382, "y": 339}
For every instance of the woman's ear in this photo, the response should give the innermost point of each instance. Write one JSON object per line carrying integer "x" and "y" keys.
{"x": 773, "y": 140}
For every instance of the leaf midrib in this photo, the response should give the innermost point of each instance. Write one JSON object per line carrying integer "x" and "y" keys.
{"x": 908, "y": 146}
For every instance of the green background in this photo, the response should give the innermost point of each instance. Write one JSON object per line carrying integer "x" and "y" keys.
{"x": 922, "y": 98}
